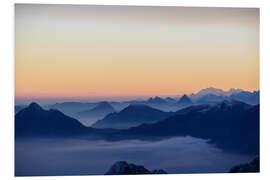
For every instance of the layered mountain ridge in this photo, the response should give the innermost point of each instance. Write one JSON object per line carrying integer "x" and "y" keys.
{"x": 133, "y": 115}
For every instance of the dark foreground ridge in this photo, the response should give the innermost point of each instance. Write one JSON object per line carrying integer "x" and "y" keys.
{"x": 123, "y": 168}
{"x": 253, "y": 166}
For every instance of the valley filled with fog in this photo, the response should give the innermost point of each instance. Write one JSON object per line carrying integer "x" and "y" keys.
{"x": 46, "y": 157}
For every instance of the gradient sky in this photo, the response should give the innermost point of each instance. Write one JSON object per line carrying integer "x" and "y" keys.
{"x": 74, "y": 51}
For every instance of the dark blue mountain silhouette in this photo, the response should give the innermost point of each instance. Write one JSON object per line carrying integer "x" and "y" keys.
{"x": 211, "y": 99}
{"x": 214, "y": 95}
{"x": 124, "y": 168}
{"x": 184, "y": 101}
{"x": 18, "y": 108}
{"x": 156, "y": 100}
{"x": 70, "y": 108}
{"x": 170, "y": 100}
{"x": 131, "y": 116}
{"x": 193, "y": 108}
{"x": 251, "y": 167}
{"x": 33, "y": 120}
{"x": 232, "y": 125}
{"x": 99, "y": 112}
{"x": 248, "y": 97}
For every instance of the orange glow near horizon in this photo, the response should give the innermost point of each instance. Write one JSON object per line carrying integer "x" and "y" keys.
{"x": 65, "y": 51}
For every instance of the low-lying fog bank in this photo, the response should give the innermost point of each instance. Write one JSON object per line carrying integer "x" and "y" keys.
{"x": 81, "y": 157}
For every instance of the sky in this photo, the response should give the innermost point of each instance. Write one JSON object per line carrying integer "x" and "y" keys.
{"x": 95, "y": 52}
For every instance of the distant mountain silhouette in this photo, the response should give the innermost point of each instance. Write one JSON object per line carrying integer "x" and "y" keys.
{"x": 184, "y": 101}
{"x": 214, "y": 95}
{"x": 251, "y": 167}
{"x": 211, "y": 98}
{"x": 193, "y": 108}
{"x": 248, "y": 97}
{"x": 233, "y": 91}
{"x": 215, "y": 91}
{"x": 131, "y": 116}
{"x": 33, "y": 120}
{"x": 70, "y": 108}
{"x": 231, "y": 125}
{"x": 170, "y": 100}
{"x": 123, "y": 168}
{"x": 99, "y": 112}
{"x": 156, "y": 100}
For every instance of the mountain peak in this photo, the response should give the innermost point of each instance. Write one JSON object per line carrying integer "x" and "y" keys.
{"x": 184, "y": 96}
{"x": 157, "y": 100}
{"x": 231, "y": 104}
{"x": 184, "y": 100}
{"x": 211, "y": 90}
{"x": 36, "y": 121}
{"x": 131, "y": 116}
{"x": 35, "y": 105}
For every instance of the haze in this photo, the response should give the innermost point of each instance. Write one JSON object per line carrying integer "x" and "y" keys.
{"x": 73, "y": 157}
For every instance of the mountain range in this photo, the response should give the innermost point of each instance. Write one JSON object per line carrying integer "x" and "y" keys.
{"x": 34, "y": 121}
{"x": 133, "y": 115}
{"x": 184, "y": 101}
{"x": 215, "y": 91}
{"x": 156, "y": 100}
{"x": 214, "y": 95}
{"x": 87, "y": 117}
{"x": 70, "y": 108}
{"x": 205, "y": 96}
{"x": 230, "y": 125}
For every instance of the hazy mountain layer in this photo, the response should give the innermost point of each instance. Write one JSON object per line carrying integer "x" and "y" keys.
{"x": 131, "y": 116}
{"x": 88, "y": 117}
{"x": 231, "y": 125}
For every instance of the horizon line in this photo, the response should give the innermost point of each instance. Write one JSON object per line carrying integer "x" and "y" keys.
{"x": 58, "y": 99}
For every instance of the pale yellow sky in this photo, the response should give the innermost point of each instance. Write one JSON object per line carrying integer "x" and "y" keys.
{"x": 90, "y": 51}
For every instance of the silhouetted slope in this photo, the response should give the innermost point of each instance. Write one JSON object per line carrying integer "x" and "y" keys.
{"x": 98, "y": 112}
{"x": 133, "y": 115}
{"x": 184, "y": 101}
{"x": 194, "y": 108}
{"x": 248, "y": 97}
{"x": 123, "y": 168}
{"x": 33, "y": 121}
{"x": 231, "y": 125}
{"x": 156, "y": 100}
{"x": 170, "y": 100}
{"x": 70, "y": 108}
{"x": 18, "y": 108}
{"x": 253, "y": 166}
{"x": 101, "y": 109}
